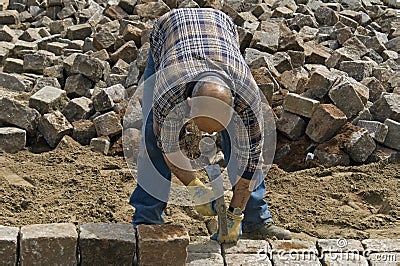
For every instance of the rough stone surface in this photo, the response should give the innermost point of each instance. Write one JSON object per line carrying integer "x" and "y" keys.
{"x": 170, "y": 241}
{"x": 108, "y": 124}
{"x": 84, "y": 131}
{"x": 357, "y": 69}
{"x": 393, "y": 135}
{"x": 107, "y": 97}
{"x": 127, "y": 52}
{"x": 36, "y": 63}
{"x": 246, "y": 246}
{"x": 12, "y": 139}
{"x": 387, "y": 106}
{"x": 377, "y": 130}
{"x": 19, "y": 115}
{"x": 325, "y": 122}
{"x": 247, "y": 259}
{"x": 360, "y": 146}
{"x": 54, "y": 126}
{"x": 79, "y": 32}
{"x": 13, "y": 82}
{"x": 78, "y": 108}
{"x": 200, "y": 259}
{"x": 131, "y": 143}
{"x": 384, "y": 259}
{"x": 381, "y": 245}
{"x": 50, "y": 244}
{"x": 9, "y": 17}
{"x": 291, "y": 125}
{"x": 77, "y": 86}
{"x": 339, "y": 245}
{"x": 8, "y": 244}
{"x": 346, "y": 98}
{"x": 107, "y": 243}
{"x": 300, "y": 105}
{"x": 320, "y": 82}
{"x": 48, "y": 99}
{"x": 91, "y": 67}
{"x": 151, "y": 9}
{"x": 336, "y": 259}
{"x": 100, "y": 144}
{"x": 203, "y": 244}
{"x": 309, "y": 259}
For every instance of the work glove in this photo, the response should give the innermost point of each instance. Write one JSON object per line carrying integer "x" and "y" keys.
{"x": 202, "y": 197}
{"x": 234, "y": 224}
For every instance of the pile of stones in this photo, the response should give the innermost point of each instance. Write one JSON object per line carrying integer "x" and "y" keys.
{"x": 329, "y": 69}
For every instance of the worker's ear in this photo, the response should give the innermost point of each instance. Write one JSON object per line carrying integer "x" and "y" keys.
{"x": 189, "y": 100}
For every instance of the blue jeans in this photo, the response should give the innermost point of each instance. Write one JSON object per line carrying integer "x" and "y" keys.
{"x": 152, "y": 169}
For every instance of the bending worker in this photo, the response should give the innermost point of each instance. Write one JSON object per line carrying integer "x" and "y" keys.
{"x": 195, "y": 71}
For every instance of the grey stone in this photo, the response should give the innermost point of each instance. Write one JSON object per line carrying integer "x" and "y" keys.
{"x": 346, "y": 97}
{"x": 384, "y": 259}
{"x": 377, "y": 130}
{"x": 329, "y": 155}
{"x": 132, "y": 33}
{"x": 37, "y": 62}
{"x": 151, "y": 9}
{"x": 248, "y": 259}
{"x": 12, "y": 139}
{"x": 127, "y": 52}
{"x": 78, "y": 108}
{"x": 128, "y": 5}
{"x": 294, "y": 80}
{"x": 4, "y": 53}
{"x": 203, "y": 244}
{"x": 107, "y": 97}
{"x": 101, "y": 243}
{"x": 101, "y": 55}
{"x": 393, "y": 135}
{"x": 339, "y": 245}
{"x": 13, "y": 65}
{"x": 48, "y": 244}
{"x": 91, "y": 67}
{"x": 282, "y": 62}
{"x": 133, "y": 117}
{"x": 360, "y": 145}
{"x": 103, "y": 39}
{"x": 300, "y": 105}
{"x": 54, "y": 126}
{"x": 79, "y": 32}
{"x": 326, "y": 16}
{"x": 290, "y": 246}
{"x": 208, "y": 259}
{"x": 84, "y": 131}
{"x": 387, "y": 106}
{"x": 8, "y": 244}
{"x": 266, "y": 40}
{"x": 116, "y": 79}
{"x": 381, "y": 245}
{"x": 30, "y": 35}
{"x": 19, "y": 115}
{"x": 336, "y": 259}
{"x": 393, "y": 44}
{"x": 375, "y": 88}
{"x": 46, "y": 81}
{"x": 120, "y": 67}
{"x": 306, "y": 258}
{"x": 60, "y": 26}
{"x": 325, "y": 122}
{"x": 291, "y": 125}
{"x": 14, "y": 82}
{"x": 78, "y": 85}
{"x": 9, "y": 17}
{"x": 357, "y": 69}
{"x": 6, "y": 34}
{"x": 247, "y": 246}
{"x": 188, "y": 4}
{"x": 67, "y": 11}
{"x": 255, "y": 58}
{"x": 115, "y": 12}
{"x": 319, "y": 83}
{"x": 108, "y": 124}
{"x": 47, "y": 99}
{"x": 131, "y": 143}
{"x": 57, "y": 47}
{"x": 342, "y": 34}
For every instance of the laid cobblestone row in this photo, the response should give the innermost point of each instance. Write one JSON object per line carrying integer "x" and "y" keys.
{"x": 169, "y": 244}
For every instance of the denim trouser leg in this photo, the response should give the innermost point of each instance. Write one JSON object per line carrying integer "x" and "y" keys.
{"x": 256, "y": 213}
{"x": 150, "y": 163}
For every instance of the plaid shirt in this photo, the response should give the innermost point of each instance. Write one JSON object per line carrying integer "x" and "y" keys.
{"x": 188, "y": 42}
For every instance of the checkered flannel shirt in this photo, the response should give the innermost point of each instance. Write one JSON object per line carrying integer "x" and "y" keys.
{"x": 188, "y": 42}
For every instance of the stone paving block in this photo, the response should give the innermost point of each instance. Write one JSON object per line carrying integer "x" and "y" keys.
{"x": 266, "y": 40}
{"x": 337, "y": 259}
{"x": 339, "y": 245}
{"x": 19, "y": 115}
{"x": 13, "y": 82}
{"x": 316, "y": 53}
{"x": 346, "y": 98}
{"x": 393, "y": 135}
{"x": 319, "y": 83}
{"x": 384, "y": 154}
{"x": 169, "y": 240}
{"x": 291, "y": 125}
{"x": 295, "y": 259}
{"x": 330, "y": 155}
{"x": 91, "y": 67}
{"x": 54, "y": 126}
{"x": 384, "y": 259}
{"x": 8, "y": 244}
{"x": 12, "y": 139}
{"x": 377, "y": 130}
{"x": 78, "y": 108}
{"x": 46, "y": 81}
{"x": 127, "y": 52}
{"x": 131, "y": 143}
{"x": 108, "y": 124}
{"x": 48, "y": 99}
{"x": 13, "y": 65}
{"x": 48, "y": 244}
{"x": 57, "y": 47}
{"x": 37, "y": 62}
{"x": 108, "y": 244}
{"x": 84, "y": 131}
{"x": 8, "y": 17}
{"x": 6, "y": 34}
{"x": 207, "y": 259}
{"x": 133, "y": 117}
{"x": 293, "y": 246}
{"x": 203, "y": 244}
{"x": 294, "y": 80}
{"x": 247, "y": 260}
{"x": 360, "y": 145}
{"x": 21, "y": 47}
{"x": 300, "y": 105}
{"x": 381, "y": 245}
{"x": 103, "y": 39}
{"x": 247, "y": 246}
{"x": 100, "y": 144}
{"x": 30, "y": 35}
{"x": 107, "y": 97}
{"x": 78, "y": 85}
{"x": 325, "y": 122}
{"x": 357, "y": 69}
{"x": 79, "y": 31}
{"x": 387, "y": 106}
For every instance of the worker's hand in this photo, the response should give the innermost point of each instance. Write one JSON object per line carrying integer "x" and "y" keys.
{"x": 202, "y": 197}
{"x": 234, "y": 224}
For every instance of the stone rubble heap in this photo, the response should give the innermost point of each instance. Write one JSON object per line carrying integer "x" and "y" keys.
{"x": 330, "y": 70}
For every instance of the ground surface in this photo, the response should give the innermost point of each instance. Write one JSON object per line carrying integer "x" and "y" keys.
{"x": 73, "y": 184}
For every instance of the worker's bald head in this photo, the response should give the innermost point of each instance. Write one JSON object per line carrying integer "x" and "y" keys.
{"x": 211, "y": 105}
